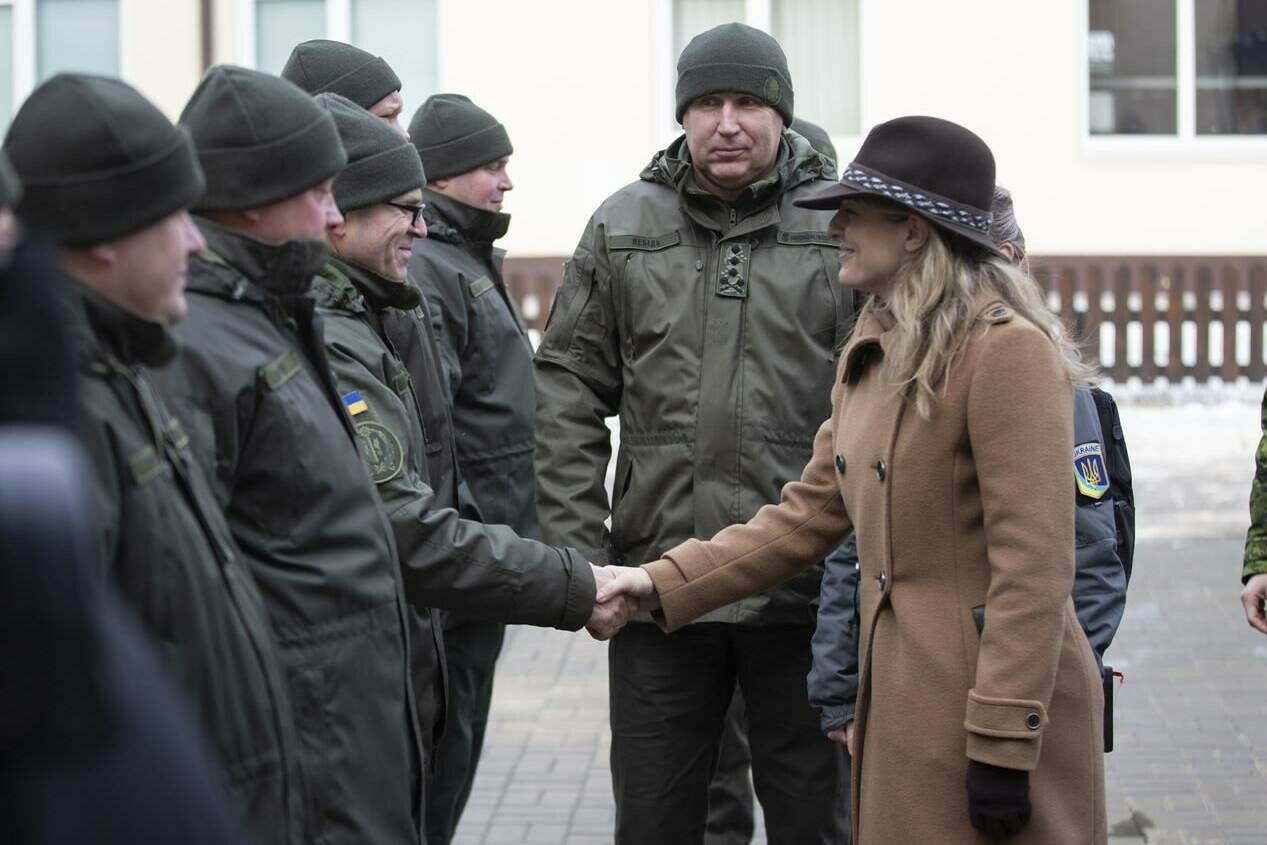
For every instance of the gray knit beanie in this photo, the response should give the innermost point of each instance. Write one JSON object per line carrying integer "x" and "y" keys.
{"x": 453, "y": 135}
{"x": 319, "y": 66}
{"x": 381, "y": 164}
{"x": 734, "y": 57}
{"x": 98, "y": 161}
{"x": 10, "y": 185}
{"x": 260, "y": 139}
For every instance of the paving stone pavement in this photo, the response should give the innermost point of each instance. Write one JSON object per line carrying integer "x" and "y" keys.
{"x": 1190, "y": 766}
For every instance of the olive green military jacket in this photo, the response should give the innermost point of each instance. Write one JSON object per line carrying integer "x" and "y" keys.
{"x": 486, "y": 355}
{"x": 483, "y": 571}
{"x": 1256, "y": 540}
{"x": 168, "y": 549}
{"x": 253, "y": 387}
{"x": 711, "y": 330}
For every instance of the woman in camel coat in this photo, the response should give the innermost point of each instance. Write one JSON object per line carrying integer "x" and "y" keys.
{"x": 949, "y": 452}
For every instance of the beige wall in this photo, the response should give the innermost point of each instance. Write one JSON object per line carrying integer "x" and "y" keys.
{"x": 585, "y": 94}
{"x": 161, "y": 49}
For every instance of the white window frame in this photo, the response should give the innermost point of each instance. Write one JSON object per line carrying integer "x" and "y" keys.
{"x": 25, "y": 61}
{"x": 1185, "y": 144}
{"x": 338, "y": 27}
{"x": 758, "y": 14}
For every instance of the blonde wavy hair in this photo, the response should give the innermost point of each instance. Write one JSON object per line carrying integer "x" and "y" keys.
{"x": 934, "y": 304}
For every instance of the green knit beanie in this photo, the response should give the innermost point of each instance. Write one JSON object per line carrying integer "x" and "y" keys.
{"x": 453, "y": 135}
{"x": 260, "y": 139}
{"x": 98, "y": 161}
{"x": 381, "y": 164}
{"x": 734, "y": 57}
{"x": 319, "y": 66}
{"x": 10, "y": 185}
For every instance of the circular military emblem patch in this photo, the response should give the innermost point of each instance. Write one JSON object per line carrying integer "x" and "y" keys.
{"x": 772, "y": 91}
{"x": 383, "y": 452}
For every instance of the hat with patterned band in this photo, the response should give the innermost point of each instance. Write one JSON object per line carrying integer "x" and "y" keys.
{"x": 936, "y": 168}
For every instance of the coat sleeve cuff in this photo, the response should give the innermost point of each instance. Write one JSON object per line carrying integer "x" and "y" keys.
{"x": 835, "y": 717}
{"x": 666, "y": 575}
{"x": 580, "y": 591}
{"x": 1254, "y": 565}
{"x": 1005, "y": 732}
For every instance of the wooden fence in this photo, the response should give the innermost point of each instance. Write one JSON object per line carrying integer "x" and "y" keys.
{"x": 1164, "y": 317}
{"x": 1149, "y": 317}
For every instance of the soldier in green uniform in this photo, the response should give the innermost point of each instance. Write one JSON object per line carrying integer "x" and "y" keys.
{"x": 267, "y": 422}
{"x": 702, "y": 307}
{"x": 487, "y": 362}
{"x": 1254, "y": 572}
{"x": 113, "y": 185}
{"x": 370, "y": 312}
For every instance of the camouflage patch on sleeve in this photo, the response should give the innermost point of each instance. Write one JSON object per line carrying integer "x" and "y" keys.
{"x": 1256, "y": 539}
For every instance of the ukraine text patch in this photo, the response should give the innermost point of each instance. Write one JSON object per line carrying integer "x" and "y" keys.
{"x": 1089, "y": 469}
{"x": 354, "y": 403}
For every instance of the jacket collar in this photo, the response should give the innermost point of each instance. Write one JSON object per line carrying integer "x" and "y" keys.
{"x": 453, "y": 221}
{"x": 867, "y": 344}
{"x": 357, "y": 288}
{"x": 110, "y": 332}
{"x": 280, "y": 269}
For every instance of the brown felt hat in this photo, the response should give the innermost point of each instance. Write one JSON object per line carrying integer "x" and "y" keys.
{"x": 936, "y": 168}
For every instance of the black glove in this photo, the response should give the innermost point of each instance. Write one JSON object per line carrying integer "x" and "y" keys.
{"x": 998, "y": 799}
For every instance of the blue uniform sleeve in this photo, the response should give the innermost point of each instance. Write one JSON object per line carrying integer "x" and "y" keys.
{"x": 833, "y": 675}
{"x": 1099, "y": 587}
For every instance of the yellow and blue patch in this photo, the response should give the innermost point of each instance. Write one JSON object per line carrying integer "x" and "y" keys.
{"x": 1089, "y": 470}
{"x": 354, "y": 403}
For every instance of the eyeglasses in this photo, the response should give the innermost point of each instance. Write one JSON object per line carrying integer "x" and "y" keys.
{"x": 414, "y": 211}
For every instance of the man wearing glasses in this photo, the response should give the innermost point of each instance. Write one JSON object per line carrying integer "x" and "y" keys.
{"x": 372, "y": 317}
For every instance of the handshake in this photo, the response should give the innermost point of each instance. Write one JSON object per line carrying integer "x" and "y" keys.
{"x": 622, "y": 591}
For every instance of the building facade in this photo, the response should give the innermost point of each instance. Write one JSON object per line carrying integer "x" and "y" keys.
{"x": 1129, "y": 131}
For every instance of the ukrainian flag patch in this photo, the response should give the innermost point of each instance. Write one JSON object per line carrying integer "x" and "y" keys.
{"x": 354, "y": 403}
{"x": 1089, "y": 470}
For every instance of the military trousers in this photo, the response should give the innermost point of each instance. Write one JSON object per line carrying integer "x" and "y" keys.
{"x": 471, "y": 651}
{"x": 669, "y": 698}
{"x": 730, "y": 799}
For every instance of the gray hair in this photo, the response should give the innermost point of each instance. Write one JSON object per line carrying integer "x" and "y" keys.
{"x": 1003, "y": 226}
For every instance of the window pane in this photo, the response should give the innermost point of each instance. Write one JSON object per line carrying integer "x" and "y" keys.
{"x": 77, "y": 35}
{"x": 691, "y": 17}
{"x": 1231, "y": 67}
{"x": 6, "y": 66}
{"x": 820, "y": 38}
{"x": 404, "y": 33}
{"x": 280, "y": 25}
{"x": 1131, "y": 51}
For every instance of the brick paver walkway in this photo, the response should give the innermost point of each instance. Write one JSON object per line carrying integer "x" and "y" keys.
{"x": 1191, "y": 761}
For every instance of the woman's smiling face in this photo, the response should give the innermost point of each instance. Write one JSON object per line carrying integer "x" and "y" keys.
{"x": 874, "y": 239}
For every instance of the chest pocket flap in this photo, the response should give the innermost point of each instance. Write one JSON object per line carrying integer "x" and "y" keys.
{"x": 818, "y": 238}
{"x": 646, "y": 243}
{"x": 145, "y": 465}
{"x": 480, "y": 286}
{"x": 280, "y": 370}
